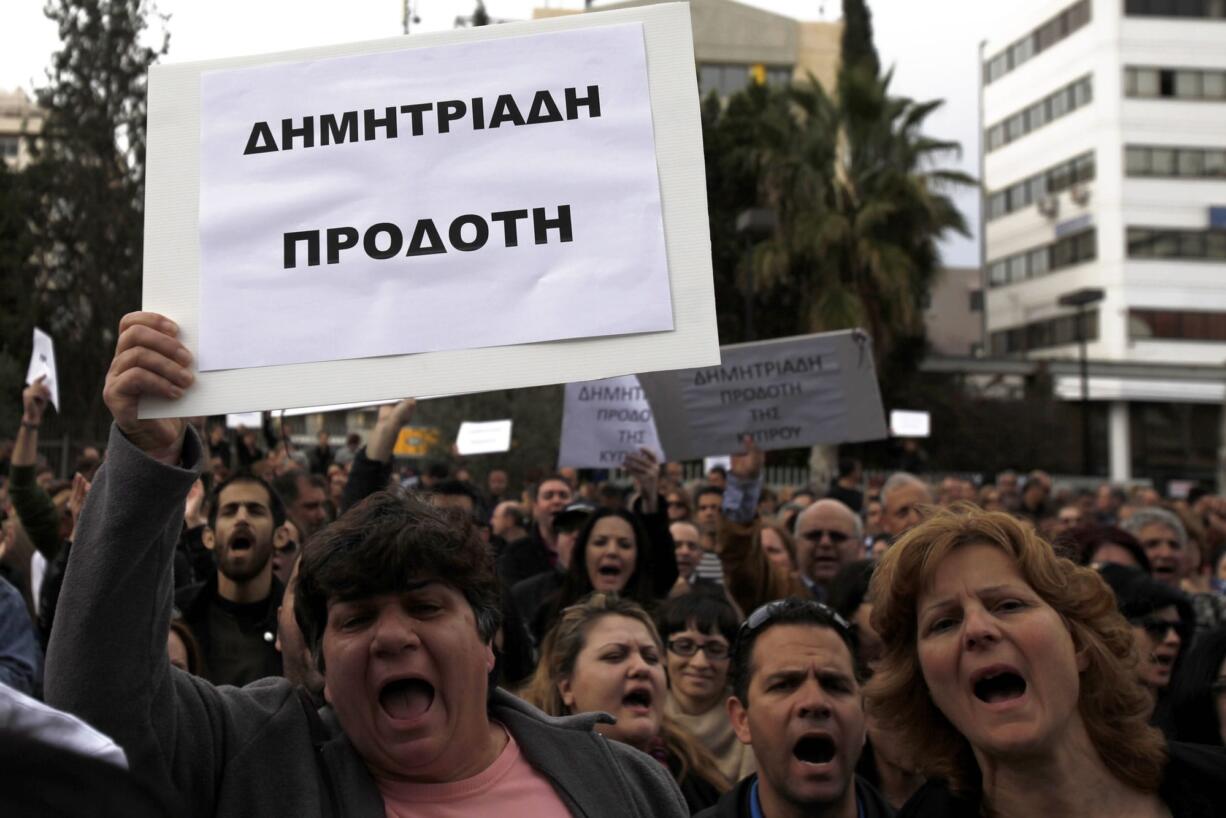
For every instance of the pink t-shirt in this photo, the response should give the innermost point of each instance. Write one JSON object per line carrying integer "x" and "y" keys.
{"x": 508, "y": 788}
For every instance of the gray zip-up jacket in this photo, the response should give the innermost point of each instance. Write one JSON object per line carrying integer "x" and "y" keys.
{"x": 259, "y": 750}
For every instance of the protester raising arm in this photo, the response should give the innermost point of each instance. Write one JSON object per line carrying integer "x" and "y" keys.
{"x": 645, "y": 468}
{"x": 107, "y": 661}
{"x": 372, "y": 465}
{"x": 751, "y": 578}
{"x": 34, "y": 508}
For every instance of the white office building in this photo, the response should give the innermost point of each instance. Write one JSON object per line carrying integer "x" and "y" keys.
{"x": 1104, "y": 139}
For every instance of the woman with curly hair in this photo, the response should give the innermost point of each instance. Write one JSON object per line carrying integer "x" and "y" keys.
{"x": 605, "y": 655}
{"x": 1009, "y": 675}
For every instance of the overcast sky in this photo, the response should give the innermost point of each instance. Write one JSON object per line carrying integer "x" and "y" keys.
{"x": 933, "y": 46}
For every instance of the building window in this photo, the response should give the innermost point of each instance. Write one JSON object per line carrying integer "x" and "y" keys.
{"x": 1164, "y": 243}
{"x": 727, "y": 79}
{"x": 9, "y": 145}
{"x": 1176, "y": 325}
{"x": 1211, "y": 9}
{"x": 1048, "y": 182}
{"x": 1044, "y": 334}
{"x": 1175, "y": 83}
{"x": 1062, "y": 102}
{"x": 1065, "y": 252}
{"x": 1040, "y": 39}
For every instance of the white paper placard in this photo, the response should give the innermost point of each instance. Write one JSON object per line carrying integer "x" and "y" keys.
{"x": 247, "y": 420}
{"x": 722, "y": 460}
{"x": 603, "y": 421}
{"x": 42, "y": 364}
{"x": 457, "y": 179}
{"x": 785, "y": 393}
{"x": 172, "y": 242}
{"x": 907, "y": 423}
{"x": 489, "y": 437}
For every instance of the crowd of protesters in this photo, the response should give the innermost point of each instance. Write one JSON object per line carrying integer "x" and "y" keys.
{"x": 204, "y": 622}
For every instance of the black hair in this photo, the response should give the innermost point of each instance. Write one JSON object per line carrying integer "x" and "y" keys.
{"x": 1137, "y": 594}
{"x": 849, "y": 587}
{"x": 460, "y": 488}
{"x": 286, "y": 485}
{"x": 704, "y": 610}
{"x": 1193, "y": 711}
{"x": 549, "y": 478}
{"x": 438, "y": 470}
{"x": 720, "y": 470}
{"x": 790, "y": 611}
{"x": 383, "y": 544}
{"x": 707, "y": 489}
{"x": 1086, "y": 539}
{"x": 1196, "y": 492}
{"x": 848, "y": 466}
{"x": 576, "y": 584}
{"x": 276, "y": 506}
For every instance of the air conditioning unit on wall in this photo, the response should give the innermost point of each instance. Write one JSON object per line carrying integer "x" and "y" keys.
{"x": 1080, "y": 194}
{"x": 1049, "y": 206}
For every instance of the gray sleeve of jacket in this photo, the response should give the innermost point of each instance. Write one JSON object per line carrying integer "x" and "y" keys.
{"x": 653, "y": 787}
{"x": 107, "y": 661}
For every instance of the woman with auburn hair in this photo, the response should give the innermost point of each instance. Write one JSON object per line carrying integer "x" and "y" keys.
{"x": 604, "y": 654}
{"x": 1009, "y": 675}
{"x": 775, "y": 541}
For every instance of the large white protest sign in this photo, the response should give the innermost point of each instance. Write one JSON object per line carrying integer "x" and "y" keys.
{"x": 490, "y": 437}
{"x": 570, "y": 247}
{"x": 378, "y": 187}
{"x": 42, "y": 365}
{"x": 784, "y": 393}
{"x": 603, "y": 421}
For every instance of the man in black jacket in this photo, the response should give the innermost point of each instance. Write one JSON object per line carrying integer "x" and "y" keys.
{"x": 233, "y": 613}
{"x": 797, "y": 701}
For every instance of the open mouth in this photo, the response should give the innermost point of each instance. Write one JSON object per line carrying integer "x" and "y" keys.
{"x": 1000, "y": 687}
{"x": 1164, "y": 660}
{"x": 406, "y": 699}
{"x": 240, "y": 542}
{"x": 638, "y": 699}
{"x": 815, "y": 750}
{"x": 609, "y": 570}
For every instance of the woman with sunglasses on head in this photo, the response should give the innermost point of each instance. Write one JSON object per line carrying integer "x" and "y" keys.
{"x": 698, "y": 629}
{"x": 604, "y": 655}
{"x": 1009, "y": 675}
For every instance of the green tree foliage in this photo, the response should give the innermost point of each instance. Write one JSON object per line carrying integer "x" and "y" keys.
{"x": 858, "y": 51}
{"x": 860, "y": 200}
{"x": 87, "y": 179}
{"x": 16, "y": 249}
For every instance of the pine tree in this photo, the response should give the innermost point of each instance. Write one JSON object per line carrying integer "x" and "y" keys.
{"x": 480, "y": 16}
{"x": 88, "y": 176}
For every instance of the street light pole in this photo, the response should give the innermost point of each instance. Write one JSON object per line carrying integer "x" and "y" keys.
{"x": 1081, "y": 299}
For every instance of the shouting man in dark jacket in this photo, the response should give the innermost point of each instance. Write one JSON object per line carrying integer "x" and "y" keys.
{"x": 796, "y": 700}
{"x": 233, "y": 614}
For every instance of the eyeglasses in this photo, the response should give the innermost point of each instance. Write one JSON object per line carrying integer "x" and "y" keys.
{"x": 715, "y": 651}
{"x": 1157, "y": 627}
{"x": 677, "y": 504}
{"x": 764, "y": 614}
{"x": 816, "y": 534}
